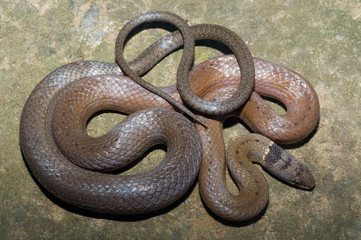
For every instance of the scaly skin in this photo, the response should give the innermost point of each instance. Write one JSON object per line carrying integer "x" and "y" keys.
{"x": 100, "y": 192}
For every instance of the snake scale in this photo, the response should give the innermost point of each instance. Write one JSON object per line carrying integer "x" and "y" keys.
{"x": 73, "y": 166}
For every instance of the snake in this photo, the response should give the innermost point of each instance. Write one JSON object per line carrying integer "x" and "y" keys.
{"x": 56, "y": 113}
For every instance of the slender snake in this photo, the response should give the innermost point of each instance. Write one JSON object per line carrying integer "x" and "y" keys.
{"x": 54, "y": 118}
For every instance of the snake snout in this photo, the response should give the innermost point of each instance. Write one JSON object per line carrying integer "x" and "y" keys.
{"x": 288, "y": 168}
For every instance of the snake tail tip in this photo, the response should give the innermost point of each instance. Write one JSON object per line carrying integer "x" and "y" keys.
{"x": 193, "y": 116}
{"x": 200, "y": 121}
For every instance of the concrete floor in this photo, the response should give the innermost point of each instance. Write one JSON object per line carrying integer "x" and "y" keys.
{"x": 319, "y": 39}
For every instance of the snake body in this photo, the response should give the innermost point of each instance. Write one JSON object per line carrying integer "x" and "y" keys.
{"x": 101, "y": 192}
{"x": 243, "y": 152}
{"x": 60, "y": 106}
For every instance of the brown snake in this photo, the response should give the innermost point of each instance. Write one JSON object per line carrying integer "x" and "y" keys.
{"x": 96, "y": 86}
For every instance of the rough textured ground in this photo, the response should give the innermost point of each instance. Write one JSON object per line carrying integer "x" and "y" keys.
{"x": 319, "y": 39}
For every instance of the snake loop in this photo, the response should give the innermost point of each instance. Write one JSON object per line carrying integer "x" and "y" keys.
{"x": 189, "y": 34}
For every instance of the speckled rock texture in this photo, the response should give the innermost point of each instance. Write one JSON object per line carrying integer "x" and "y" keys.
{"x": 319, "y": 39}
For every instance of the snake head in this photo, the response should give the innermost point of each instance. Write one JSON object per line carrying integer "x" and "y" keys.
{"x": 288, "y": 168}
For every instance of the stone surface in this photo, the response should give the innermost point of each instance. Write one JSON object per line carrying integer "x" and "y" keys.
{"x": 319, "y": 39}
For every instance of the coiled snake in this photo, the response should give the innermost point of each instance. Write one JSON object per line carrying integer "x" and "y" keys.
{"x": 54, "y": 118}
